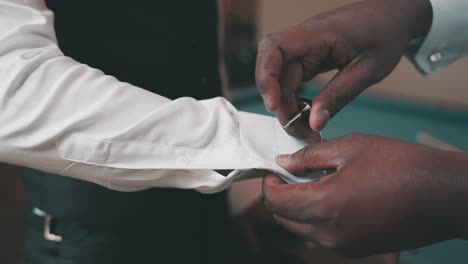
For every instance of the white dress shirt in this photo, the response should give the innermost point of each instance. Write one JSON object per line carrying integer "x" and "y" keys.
{"x": 63, "y": 117}
{"x": 447, "y": 39}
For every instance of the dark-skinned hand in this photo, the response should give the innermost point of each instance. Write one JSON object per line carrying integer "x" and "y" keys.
{"x": 258, "y": 239}
{"x": 381, "y": 195}
{"x": 363, "y": 40}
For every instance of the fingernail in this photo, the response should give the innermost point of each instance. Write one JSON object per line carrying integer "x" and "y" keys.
{"x": 267, "y": 102}
{"x": 319, "y": 120}
{"x": 283, "y": 160}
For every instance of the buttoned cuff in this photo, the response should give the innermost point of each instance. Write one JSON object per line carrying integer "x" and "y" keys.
{"x": 447, "y": 39}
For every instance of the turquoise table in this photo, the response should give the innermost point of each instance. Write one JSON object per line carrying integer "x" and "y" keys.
{"x": 396, "y": 119}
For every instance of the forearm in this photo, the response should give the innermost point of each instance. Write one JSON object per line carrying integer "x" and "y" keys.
{"x": 460, "y": 190}
{"x": 447, "y": 181}
{"x": 46, "y": 96}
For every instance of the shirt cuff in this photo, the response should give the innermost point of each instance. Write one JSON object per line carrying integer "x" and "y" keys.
{"x": 447, "y": 39}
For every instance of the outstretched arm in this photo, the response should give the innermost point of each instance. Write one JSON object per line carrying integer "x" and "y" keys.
{"x": 64, "y": 117}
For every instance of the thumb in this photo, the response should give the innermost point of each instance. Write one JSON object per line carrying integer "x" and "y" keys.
{"x": 340, "y": 90}
{"x": 321, "y": 156}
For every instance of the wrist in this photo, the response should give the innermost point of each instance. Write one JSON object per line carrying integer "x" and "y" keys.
{"x": 413, "y": 17}
{"x": 462, "y": 203}
{"x": 444, "y": 192}
{"x": 452, "y": 186}
{"x": 419, "y": 17}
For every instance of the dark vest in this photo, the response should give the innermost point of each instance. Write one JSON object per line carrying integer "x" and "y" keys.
{"x": 167, "y": 47}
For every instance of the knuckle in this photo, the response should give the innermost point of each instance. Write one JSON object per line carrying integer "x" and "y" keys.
{"x": 342, "y": 247}
{"x": 305, "y": 154}
{"x": 331, "y": 241}
{"x": 337, "y": 98}
{"x": 356, "y": 139}
{"x": 372, "y": 71}
{"x": 323, "y": 211}
{"x": 327, "y": 208}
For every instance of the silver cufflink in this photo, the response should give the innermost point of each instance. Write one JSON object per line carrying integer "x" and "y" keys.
{"x": 436, "y": 57}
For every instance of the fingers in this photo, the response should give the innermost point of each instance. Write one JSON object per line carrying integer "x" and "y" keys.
{"x": 344, "y": 87}
{"x": 269, "y": 66}
{"x": 299, "y": 202}
{"x": 290, "y": 81}
{"x": 271, "y": 179}
{"x": 293, "y": 201}
{"x": 321, "y": 156}
{"x": 298, "y": 228}
{"x": 274, "y": 53}
{"x": 251, "y": 236}
{"x": 300, "y": 127}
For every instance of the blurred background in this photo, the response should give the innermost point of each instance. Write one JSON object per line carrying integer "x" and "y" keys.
{"x": 248, "y": 20}
{"x": 244, "y": 22}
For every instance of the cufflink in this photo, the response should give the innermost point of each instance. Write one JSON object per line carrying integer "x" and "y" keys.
{"x": 436, "y": 57}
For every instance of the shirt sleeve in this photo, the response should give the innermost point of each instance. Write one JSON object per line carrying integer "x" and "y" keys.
{"x": 447, "y": 40}
{"x": 63, "y": 117}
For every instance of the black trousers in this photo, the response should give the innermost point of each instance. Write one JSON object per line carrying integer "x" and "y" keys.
{"x": 126, "y": 245}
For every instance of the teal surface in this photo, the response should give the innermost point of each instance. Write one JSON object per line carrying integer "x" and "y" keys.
{"x": 396, "y": 119}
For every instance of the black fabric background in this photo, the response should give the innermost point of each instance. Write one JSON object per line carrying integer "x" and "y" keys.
{"x": 167, "y": 47}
